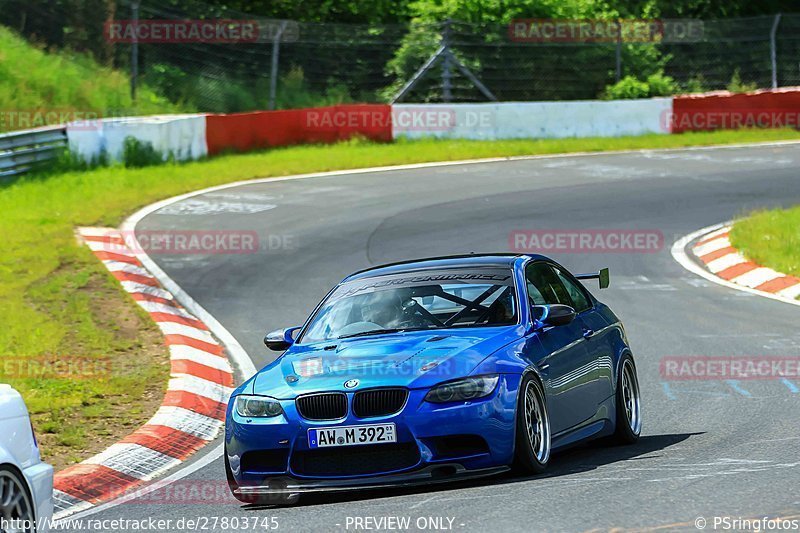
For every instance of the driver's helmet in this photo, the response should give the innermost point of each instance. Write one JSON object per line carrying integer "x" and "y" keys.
{"x": 384, "y": 308}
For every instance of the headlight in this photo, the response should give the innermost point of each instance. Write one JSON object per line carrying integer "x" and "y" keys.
{"x": 257, "y": 407}
{"x": 463, "y": 389}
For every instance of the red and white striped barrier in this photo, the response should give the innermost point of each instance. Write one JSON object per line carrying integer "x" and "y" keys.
{"x": 193, "y": 410}
{"x": 721, "y": 259}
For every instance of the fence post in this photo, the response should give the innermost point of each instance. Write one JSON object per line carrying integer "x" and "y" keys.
{"x": 273, "y": 71}
{"x": 134, "y": 48}
{"x": 773, "y": 52}
{"x": 619, "y": 51}
{"x": 447, "y": 67}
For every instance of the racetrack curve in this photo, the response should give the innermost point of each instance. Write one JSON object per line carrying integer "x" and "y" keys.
{"x": 709, "y": 448}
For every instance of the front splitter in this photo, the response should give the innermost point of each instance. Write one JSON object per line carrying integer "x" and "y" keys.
{"x": 444, "y": 473}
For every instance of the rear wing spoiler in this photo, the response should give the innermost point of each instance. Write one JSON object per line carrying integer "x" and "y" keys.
{"x": 601, "y": 276}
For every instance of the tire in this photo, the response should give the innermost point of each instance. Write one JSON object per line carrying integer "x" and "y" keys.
{"x": 15, "y": 499}
{"x": 261, "y": 499}
{"x": 628, "y": 402}
{"x": 532, "y": 445}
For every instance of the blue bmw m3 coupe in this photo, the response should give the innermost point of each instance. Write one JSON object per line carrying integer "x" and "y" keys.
{"x": 432, "y": 370}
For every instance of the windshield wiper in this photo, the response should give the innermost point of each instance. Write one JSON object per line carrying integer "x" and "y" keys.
{"x": 379, "y": 332}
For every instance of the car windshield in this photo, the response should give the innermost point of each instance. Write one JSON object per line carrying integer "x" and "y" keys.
{"x": 414, "y": 301}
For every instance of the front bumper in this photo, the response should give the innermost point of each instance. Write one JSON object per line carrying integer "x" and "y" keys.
{"x": 420, "y": 426}
{"x": 289, "y": 486}
{"x": 40, "y": 480}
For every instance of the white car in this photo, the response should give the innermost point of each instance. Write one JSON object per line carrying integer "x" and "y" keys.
{"x": 26, "y": 483}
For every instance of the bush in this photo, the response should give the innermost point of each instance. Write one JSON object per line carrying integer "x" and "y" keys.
{"x": 627, "y": 88}
{"x": 696, "y": 85}
{"x": 661, "y": 85}
{"x": 630, "y": 87}
{"x": 138, "y": 154}
{"x": 215, "y": 91}
{"x": 293, "y": 92}
{"x": 738, "y": 86}
{"x": 67, "y": 161}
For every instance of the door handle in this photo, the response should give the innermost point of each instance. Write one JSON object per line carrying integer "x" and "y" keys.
{"x": 587, "y": 333}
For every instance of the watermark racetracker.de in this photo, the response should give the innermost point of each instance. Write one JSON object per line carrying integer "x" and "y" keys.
{"x": 442, "y": 119}
{"x": 217, "y": 31}
{"x": 24, "y": 119}
{"x": 402, "y": 119}
{"x": 692, "y": 368}
{"x": 551, "y": 241}
{"x": 204, "y": 492}
{"x": 70, "y": 367}
{"x": 605, "y": 31}
{"x": 193, "y": 242}
{"x": 715, "y": 119}
{"x": 148, "y": 523}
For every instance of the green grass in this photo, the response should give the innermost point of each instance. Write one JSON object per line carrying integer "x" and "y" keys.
{"x": 34, "y": 81}
{"x": 56, "y": 298}
{"x": 771, "y": 239}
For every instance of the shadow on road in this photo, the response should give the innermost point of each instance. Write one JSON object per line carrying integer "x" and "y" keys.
{"x": 573, "y": 461}
{"x": 590, "y": 456}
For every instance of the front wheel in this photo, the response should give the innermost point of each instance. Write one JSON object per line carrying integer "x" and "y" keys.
{"x": 16, "y": 505}
{"x": 532, "y": 448}
{"x": 629, "y": 404}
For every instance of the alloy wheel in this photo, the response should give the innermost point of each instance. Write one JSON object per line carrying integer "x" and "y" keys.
{"x": 630, "y": 397}
{"x": 537, "y": 423}
{"x": 15, "y": 506}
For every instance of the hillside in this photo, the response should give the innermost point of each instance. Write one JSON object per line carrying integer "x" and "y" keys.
{"x": 39, "y": 87}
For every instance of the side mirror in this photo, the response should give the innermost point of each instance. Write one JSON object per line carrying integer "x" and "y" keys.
{"x": 280, "y": 339}
{"x": 553, "y": 315}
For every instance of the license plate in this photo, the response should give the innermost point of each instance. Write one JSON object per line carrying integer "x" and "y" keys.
{"x": 351, "y": 435}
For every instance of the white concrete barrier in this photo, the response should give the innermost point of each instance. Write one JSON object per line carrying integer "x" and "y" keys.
{"x": 518, "y": 120}
{"x": 182, "y": 136}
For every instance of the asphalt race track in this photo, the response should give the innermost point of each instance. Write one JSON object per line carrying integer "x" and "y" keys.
{"x": 709, "y": 448}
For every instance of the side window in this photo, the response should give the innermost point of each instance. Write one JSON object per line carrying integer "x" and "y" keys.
{"x": 544, "y": 287}
{"x": 580, "y": 302}
{"x": 536, "y": 297}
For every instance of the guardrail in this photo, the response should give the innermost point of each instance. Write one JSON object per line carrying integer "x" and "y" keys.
{"x": 24, "y": 150}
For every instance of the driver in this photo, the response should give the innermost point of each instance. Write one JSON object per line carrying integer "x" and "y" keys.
{"x": 384, "y": 308}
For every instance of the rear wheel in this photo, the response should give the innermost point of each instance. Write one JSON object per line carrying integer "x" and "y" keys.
{"x": 532, "y": 447}
{"x": 629, "y": 404}
{"x": 16, "y": 506}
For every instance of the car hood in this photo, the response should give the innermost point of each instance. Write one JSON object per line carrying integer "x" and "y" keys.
{"x": 411, "y": 359}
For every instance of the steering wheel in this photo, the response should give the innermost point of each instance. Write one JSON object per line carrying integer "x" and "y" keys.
{"x": 414, "y": 311}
